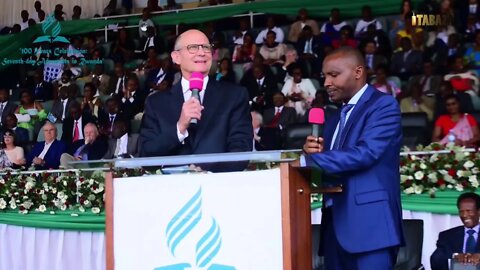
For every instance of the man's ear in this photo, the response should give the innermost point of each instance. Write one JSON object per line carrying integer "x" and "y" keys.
{"x": 175, "y": 57}
{"x": 359, "y": 70}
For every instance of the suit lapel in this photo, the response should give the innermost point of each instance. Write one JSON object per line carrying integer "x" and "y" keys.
{"x": 357, "y": 111}
{"x": 211, "y": 104}
{"x": 459, "y": 239}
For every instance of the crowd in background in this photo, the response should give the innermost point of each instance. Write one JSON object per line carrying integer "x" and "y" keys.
{"x": 431, "y": 70}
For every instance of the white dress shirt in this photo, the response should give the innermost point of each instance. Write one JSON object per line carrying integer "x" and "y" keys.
{"x": 64, "y": 104}
{"x": 187, "y": 94}
{"x": 79, "y": 125}
{"x": 45, "y": 150}
{"x": 279, "y": 35}
{"x": 121, "y": 147}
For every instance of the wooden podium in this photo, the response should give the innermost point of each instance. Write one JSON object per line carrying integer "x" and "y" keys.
{"x": 295, "y": 213}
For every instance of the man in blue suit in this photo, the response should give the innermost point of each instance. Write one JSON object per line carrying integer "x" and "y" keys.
{"x": 458, "y": 239}
{"x": 46, "y": 155}
{"x": 360, "y": 151}
{"x": 224, "y": 121}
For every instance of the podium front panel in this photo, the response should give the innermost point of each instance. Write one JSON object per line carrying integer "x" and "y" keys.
{"x": 220, "y": 221}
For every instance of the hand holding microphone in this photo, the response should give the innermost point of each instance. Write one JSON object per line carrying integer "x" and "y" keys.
{"x": 314, "y": 142}
{"x": 192, "y": 109}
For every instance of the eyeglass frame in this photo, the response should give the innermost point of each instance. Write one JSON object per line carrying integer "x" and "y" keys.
{"x": 196, "y": 47}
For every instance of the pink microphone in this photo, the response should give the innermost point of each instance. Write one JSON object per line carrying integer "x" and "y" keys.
{"x": 196, "y": 85}
{"x": 316, "y": 117}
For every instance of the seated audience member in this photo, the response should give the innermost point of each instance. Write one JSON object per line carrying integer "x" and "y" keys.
{"x": 243, "y": 28}
{"x": 151, "y": 40}
{"x": 455, "y": 126}
{"x": 446, "y": 90}
{"x": 123, "y": 47}
{"x": 366, "y": 20}
{"x": 273, "y": 52}
{"x": 108, "y": 116}
{"x": 6, "y": 106}
{"x": 331, "y": 30}
{"x": 310, "y": 50}
{"x": 119, "y": 80}
{"x": 61, "y": 106}
{"x": 260, "y": 85}
{"x": 132, "y": 99}
{"x": 92, "y": 147}
{"x": 383, "y": 43}
{"x": 414, "y": 33}
{"x": 264, "y": 138}
{"x": 160, "y": 78}
{"x": 152, "y": 61}
{"x": 122, "y": 144}
{"x": 441, "y": 52}
{"x": 225, "y": 71}
{"x": 30, "y": 113}
{"x": 144, "y": 22}
{"x": 66, "y": 80}
{"x": 262, "y": 36}
{"x": 346, "y": 38}
{"x": 219, "y": 52}
{"x": 21, "y": 134}
{"x": 299, "y": 91}
{"x": 99, "y": 79}
{"x": 408, "y": 62}
{"x": 463, "y": 80}
{"x": 46, "y": 154}
{"x": 418, "y": 102}
{"x": 297, "y": 27}
{"x": 372, "y": 58}
{"x": 429, "y": 81}
{"x": 473, "y": 54}
{"x": 245, "y": 52}
{"x": 291, "y": 57}
{"x": 74, "y": 124}
{"x": 382, "y": 83}
{"x": 322, "y": 101}
{"x": 462, "y": 239}
{"x": 15, "y": 157}
{"x": 279, "y": 116}
{"x": 398, "y": 23}
{"x": 91, "y": 103}
{"x": 42, "y": 90}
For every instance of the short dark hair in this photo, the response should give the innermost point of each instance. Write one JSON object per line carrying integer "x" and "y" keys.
{"x": 469, "y": 196}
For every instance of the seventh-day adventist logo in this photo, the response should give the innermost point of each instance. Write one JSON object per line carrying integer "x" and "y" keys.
{"x": 51, "y": 29}
{"x": 207, "y": 247}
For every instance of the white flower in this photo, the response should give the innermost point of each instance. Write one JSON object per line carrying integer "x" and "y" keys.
{"x": 27, "y": 204}
{"x": 29, "y": 185}
{"x": 409, "y": 190}
{"x": 52, "y": 212}
{"x": 413, "y": 157}
{"x": 433, "y": 177}
{"x": 63, "y": 207}
{"x": 2, "y": 181}
{"x": 99, "y": 189}
{"x": 444, "y": 172}
{"x": 460, "y": 173}
{"x": 91, "y": 181}
{"x": 74, "y": 215}
{"x": 3, "y": 203}
{"x": 403, "y": 178}
{"x": 81, "y": 209}
{"x": 423, "y": 166}
{"x": 410, "y": 177}
{"x": 87, "y": 203}
{"x": 44, "y": 197}
{"x": 468, "y": 164}
{"x": 472, "y": 178}
{"x": 42, "y": 208}
{"x": 449, "y": 179}
{"x": 65, "y": 183}
{"x": 418, "y": 189}
{"x": 459, "y": 187}
{"x": 449, "y": 186}
{"x": 448, "y": 166}
{"x": 419, "y": 175}
{"x": 54, "y": 190}
{"x": 475, "y": 170}
{"x": 45, "y": 185}
{"x": 95, "y": 210}
{"x": 91, "y": 197}
{"x": 13, "y": 205}
{"x": 433, "y": 158}
{"x": 24, "y": 212}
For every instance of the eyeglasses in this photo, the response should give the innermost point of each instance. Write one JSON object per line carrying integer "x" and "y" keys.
{"x": 193, "y": 48}
{"x": 7, "y": 136}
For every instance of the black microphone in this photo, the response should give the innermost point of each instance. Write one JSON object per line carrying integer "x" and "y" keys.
{"x": 316, "y": 117}
{"x": 196, "y": 85}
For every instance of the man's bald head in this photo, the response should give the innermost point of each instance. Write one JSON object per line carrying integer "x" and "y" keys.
{"x": 179, "y": 41}
{"x": 354, "y": 55}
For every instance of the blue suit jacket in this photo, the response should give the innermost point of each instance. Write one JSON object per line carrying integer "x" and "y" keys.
{"x": 52, "y": 157}
{"x": 449, "y": 242}
{"x": 226, "y": 124}
{"x": 367, "y": 214}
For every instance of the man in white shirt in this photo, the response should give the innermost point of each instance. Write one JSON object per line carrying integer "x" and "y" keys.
{"x": 122, "y": 144}
{"x": 367, "y": 19}
{"x": 462, "y": 239}
{"x": 262, "y": 36}
{"x": 46, "y": 154}
{"x": 24, "y": 23}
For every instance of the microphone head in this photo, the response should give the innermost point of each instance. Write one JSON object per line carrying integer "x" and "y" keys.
{"x": 316, "y": 116}
{"x": 196, "y": 81}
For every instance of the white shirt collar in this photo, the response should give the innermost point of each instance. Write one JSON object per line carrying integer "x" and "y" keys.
{"x": 186, "y": 87}
{"x": 354, "y": 100}
{"x": 476, "y": 229}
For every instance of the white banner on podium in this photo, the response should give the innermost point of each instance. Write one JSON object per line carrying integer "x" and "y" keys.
{"x": 221, "y": 221}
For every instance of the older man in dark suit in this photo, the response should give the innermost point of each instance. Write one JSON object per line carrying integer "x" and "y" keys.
{"x": 46, "y": 154}
{"x": 462, "y": 239}
{"x": 224, "y": 123}
{"x": 74, "y": 125}
{"x": 407, "y": 62}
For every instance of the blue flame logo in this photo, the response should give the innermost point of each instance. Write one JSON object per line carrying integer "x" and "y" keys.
{"x": 51, "y": 28}
{"x": 207, "y": 248}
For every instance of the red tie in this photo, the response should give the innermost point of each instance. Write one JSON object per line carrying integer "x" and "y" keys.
{"x": 76, "y": 133}
{"x": 276, "y": 118}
